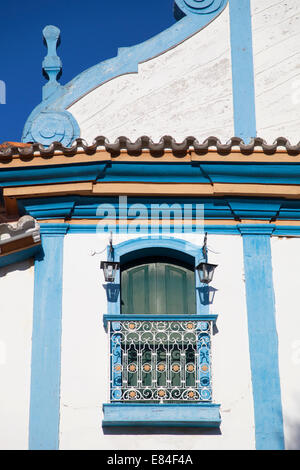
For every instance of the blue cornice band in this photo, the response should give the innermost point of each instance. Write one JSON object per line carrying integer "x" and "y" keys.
{"x": 280, "y": 231}
{"x": 251, "y": 173}
{"x": 223, "y": 208}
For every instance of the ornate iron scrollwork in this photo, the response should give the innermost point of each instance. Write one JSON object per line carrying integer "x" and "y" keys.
{"x": 160, "y": 361}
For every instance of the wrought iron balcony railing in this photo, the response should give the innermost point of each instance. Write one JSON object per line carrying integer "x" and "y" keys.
{"x": 158, "y": 361}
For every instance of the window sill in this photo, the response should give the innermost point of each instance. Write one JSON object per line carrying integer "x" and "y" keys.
{"x": 166, "y": 415}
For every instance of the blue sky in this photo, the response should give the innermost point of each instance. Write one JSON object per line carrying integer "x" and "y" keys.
{"x": 91, "y": 31}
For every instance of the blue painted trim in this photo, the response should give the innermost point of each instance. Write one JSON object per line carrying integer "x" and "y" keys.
{"x": 83, "y": 228}
{"x": 50, "y": 207}
{"x": 248, "y": 229}
{"x": 223, "y": 208}
{"x": 191, "y": 21}
{"x": 51, "y": 174}
{"x": 267, "y": 173}
{"x": 22, "y": 255}
{"x": 54, "y": 230}
{"x": 46, "y": 346}
{"x": 287, "y": 231}
{"x": 200, "y": 317}
{"x": 205, "y": 415}
{"x": 279, "y": 230}
{"x": 242, "y": 69}
{"x": 213, "y": 229}
{"x": 79, "y": 207}
{"x": 158, "y": 242}
{"x": 263, "y": 342}
{"x": 237, "y": 229}
{"x": 146, "y": 230}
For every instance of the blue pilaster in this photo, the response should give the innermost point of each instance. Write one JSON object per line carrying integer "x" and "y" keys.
{"x": 46, "y": 342}
{"x": 263, "y": 340}
{"x": 242, "y": 69}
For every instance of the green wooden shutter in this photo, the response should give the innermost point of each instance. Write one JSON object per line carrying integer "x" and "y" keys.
{"x": 158, "y": 289}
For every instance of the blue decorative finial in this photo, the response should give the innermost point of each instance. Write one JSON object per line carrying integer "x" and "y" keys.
{"x": 52, "y": 65}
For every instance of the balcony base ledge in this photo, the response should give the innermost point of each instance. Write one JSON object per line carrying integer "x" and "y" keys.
{"x": 198, "y": 415}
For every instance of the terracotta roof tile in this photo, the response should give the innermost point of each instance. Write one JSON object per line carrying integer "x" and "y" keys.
{"x": 8, "y": 149}
{"x": 9, "y": 144}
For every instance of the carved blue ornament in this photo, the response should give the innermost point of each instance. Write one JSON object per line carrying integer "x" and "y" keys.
{"x": 54, "y": 126}
{"x": 51, "y": 124}
{"x": 200, "y": 7}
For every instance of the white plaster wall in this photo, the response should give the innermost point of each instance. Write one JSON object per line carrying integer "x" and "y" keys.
{"x": 16, "y": 306}
{"x": 286, "y": 269}
{"x": 185, "y": 91}
{"x": 276, "y": 48}
{"x": 231, "y": 359}
{"x": 85, "y": 361}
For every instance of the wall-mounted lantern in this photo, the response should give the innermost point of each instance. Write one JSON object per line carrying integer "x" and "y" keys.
{"x": 206, "y": 272}
{"x": 110, "y": 267}
{"x": 205, "y": 269}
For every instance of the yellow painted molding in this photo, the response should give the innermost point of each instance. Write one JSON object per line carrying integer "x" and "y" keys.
{"x": 261, "y": 190}
{"x": 57, "y": 159}
{"x": 48, "y": 189}
{"x": 258, "y": 156}
{"x": 153, "y": 189}
{"x": 188, "y": 222}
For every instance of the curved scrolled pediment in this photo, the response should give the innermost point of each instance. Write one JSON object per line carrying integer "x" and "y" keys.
{"x": 51, "y": 122}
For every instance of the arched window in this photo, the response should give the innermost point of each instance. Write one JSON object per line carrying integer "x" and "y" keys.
{"x": 160, "y": 342}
